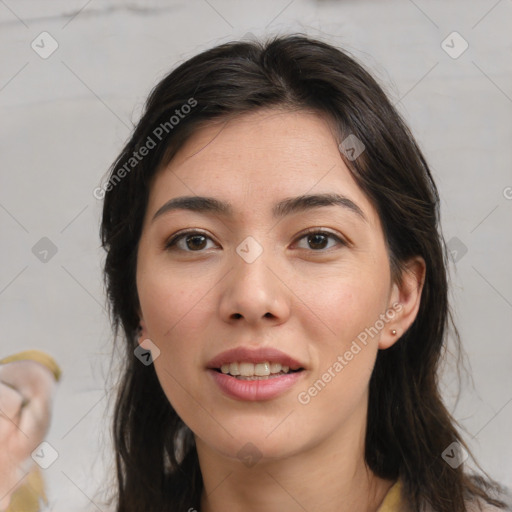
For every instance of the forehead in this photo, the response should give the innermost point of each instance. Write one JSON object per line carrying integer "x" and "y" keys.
{"x": 256, "y": 159}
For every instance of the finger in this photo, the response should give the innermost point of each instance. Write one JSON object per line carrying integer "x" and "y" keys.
{"x": 11, "y": 402}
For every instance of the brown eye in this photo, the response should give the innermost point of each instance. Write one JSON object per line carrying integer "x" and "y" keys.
{"x": 319, "y": 240}
{"x": 195, "y": 242}
{"x": 190, "y": 241}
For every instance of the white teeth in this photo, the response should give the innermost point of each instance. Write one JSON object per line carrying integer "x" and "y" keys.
{"x": 275, "y": 367}
{"x": 245, "y": 369}
{"x": 262, "y": 369}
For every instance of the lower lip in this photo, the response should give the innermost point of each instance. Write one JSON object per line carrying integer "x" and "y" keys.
{"x": 254, "y": 390}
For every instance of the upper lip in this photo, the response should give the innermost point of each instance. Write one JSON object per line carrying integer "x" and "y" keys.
{"x": 254, "y": 355}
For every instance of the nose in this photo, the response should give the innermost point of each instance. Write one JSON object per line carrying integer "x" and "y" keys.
{"x": 253, "y": 293}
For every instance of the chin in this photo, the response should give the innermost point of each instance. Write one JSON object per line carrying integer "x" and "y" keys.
{"x": 252, "y": 441}
{"x": 251, "y": 450}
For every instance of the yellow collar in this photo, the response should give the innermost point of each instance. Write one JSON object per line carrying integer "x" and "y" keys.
{"x": 392, "y": 500}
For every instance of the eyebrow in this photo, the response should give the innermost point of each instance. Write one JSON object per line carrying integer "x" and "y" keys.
{"x": 282, "y": 209}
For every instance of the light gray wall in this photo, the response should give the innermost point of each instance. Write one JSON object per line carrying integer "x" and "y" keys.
{"x": 65, "y": 117}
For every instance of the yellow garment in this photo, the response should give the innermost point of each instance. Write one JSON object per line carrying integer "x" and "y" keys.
{"x": 28, "y": 497}
{"x": 393, "y": 499}
{"x": 38, "y": 357}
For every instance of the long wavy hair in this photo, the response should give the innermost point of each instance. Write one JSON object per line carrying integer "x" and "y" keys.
{"x": 408, "y": 426}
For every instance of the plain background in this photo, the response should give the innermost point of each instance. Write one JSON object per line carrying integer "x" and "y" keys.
{"x": 65, "y": 118}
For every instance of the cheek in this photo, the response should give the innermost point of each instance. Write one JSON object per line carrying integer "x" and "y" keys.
{"x": 338, "y": 316}
{"x": 177, "y": 310}
{"x": 170, "y": 298}
{"x": 339, "y": 306}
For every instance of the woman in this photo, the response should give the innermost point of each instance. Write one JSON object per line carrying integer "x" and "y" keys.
{"x": 275, "y": 265}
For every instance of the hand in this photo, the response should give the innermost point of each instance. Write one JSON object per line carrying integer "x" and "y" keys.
{"x": 26, "y": 390}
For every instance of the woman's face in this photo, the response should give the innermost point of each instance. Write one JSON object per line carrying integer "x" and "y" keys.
{"x": 250, "y": 276}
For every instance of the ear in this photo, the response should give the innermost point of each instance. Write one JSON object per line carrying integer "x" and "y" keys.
{"x": 404, "y": 301}
{"x": 143, "y": 331}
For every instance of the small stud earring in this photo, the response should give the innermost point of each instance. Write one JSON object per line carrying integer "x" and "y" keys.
{"x": 393, "y": 332}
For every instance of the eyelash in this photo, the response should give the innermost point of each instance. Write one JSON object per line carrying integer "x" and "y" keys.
{"x": 170, "y": 245}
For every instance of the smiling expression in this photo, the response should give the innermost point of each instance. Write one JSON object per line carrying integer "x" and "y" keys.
{"x": 272, "y": 183}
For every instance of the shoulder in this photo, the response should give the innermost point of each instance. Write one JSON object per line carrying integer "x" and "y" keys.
{"x": 394, "y": 501}
{"x": 481, "y": 506}
{"x": 485, "y": 507}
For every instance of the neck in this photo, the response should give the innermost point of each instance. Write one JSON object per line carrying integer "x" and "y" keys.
{"x": 331, "y": 476}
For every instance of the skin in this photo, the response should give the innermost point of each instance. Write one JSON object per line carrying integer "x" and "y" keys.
{"x": 26, "y": 391}
{"x": 310, "y": 301}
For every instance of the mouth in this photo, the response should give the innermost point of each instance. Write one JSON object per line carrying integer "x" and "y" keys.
{"x": 264, "y": 370}
{"x": 255, "y": 374}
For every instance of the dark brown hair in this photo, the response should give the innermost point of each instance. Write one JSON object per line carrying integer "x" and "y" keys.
{"x": 408, "y": 426}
